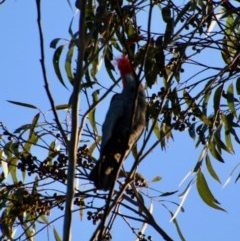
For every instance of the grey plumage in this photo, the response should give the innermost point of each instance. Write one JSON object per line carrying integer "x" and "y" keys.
{"x": 123, "y": 125}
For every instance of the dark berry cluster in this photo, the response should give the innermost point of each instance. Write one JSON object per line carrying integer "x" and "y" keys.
{"x": 201, "y": 136}
{"x": 38, "y": 208}
{"x": 83, "y": 157}
{"x": 142, "y": 237}
{"x": 30, "y": 203}
{"x": 140, "y": 182}
{"x": 174, "y": 64}
{"x": 159, "y": 94}
{"x": 130, "y": 192}
{"x": 154, "y": 105}
{"x": 78, "y": 202}
{"x": 8, "y": 134}
{"x": 56, "y": 169}
{"x": 94, "y": 216}
{"x": 28, "y": 163}
{"x": 183, "y": 121}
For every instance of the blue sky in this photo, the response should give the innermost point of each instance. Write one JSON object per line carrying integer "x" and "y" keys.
{"x": 21, "y": 80}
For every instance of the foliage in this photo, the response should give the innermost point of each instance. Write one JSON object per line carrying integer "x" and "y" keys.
{"x": 205, "y": 102}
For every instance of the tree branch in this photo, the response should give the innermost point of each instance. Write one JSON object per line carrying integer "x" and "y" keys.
{"x": 44, "y": 72}
{"x": 73, "y": 143}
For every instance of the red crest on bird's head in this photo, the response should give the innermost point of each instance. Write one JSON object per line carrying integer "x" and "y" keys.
{"x": 125, "y": 68}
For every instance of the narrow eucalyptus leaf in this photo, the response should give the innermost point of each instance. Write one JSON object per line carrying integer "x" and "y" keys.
{"x": 22, "y": 104}
{"x": 211, "y": 170}
{"x": 205, "y": 193}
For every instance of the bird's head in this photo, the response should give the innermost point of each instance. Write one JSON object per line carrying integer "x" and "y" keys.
{"x": 126, "y": 71}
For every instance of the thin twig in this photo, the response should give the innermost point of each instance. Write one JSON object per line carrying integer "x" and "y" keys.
{"x": 44, "y": 72}
{"x": 116, "y": 200}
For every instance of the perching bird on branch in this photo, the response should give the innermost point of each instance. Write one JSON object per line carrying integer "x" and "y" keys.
{"x": 123, "y": 125}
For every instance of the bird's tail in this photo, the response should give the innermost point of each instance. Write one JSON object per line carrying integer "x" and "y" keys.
{"x": 104, "y": 173}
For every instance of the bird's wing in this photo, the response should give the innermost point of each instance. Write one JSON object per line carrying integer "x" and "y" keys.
{"x": 115, "y": 112}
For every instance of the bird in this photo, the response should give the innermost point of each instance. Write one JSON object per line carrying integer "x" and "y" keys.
{"x": 123, "y": 125}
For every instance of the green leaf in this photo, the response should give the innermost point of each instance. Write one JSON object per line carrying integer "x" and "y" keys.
{"x": 233, "y": 132}
{"x": 191, "y": 131}
{"x": 56, "y": 235}
{"x": 165, "y": 194}
{"x": 56, "y": 63}
{"x": 230, "y": 99}
{"x": 35, "y": 186}
{"x": 156, "y": 129}
{"x": 215, "y": 153}
{"x": 229, "y": 141}
{"x": 68, "y": 63}
{"x": 54, "y": 43}
{"x": 62, "y": 107}
{"x": 205, "y": 193}
{"x": 8, "y": 218}
{"x": 4, "y": 165}
{"x": 166, "y": 14}
{"x": 177, "y": 227}
{"x": 95, "y": 65}
{"x": 22, "y": 128}
{"x": 12, "y": 168}
{"x": 200, "y": 159}
{"x": 183, "y": 196}
{"x": 52, "y": 151}
{"x": 162, "y": 139}
{"x": 34, "y": 123}
{"x": 227, "y": 120}
{"x": 28, "y": 229}
{"x": 44, "y": 219}
{"x": 220, "y": 143}
{"x": 33, "y": 138}
{"x": 94, "y": 145}
{"x": 211, "y": 170}
{"x": 205, "y": 102}
{"x": 225, "y": 51}
{"x": 227, "y": 126}
{"x": 237, "y": 178}
{"x": 196, "y": 110}
{"x": 168, "y": 33}
{"x": 173, "y": 96}
{"x": 217, "y": 98}
{"x": 91, "y": 114}
{"x": 8, "y": 149}
{"x": 231, "y": 174}
{"x": 151, "y": 71}
{"x": 159, "y": 55}
{"x": 71, "y": 22}
{"x": 22, "y": 104}
{"x": 31, "y": 141}
{"x": 181, "y": 14}
{"x": 88, "y": 83}
{"x": 238, "y": 86}
{"x": 11, "y": 160}
{"x": 108, "y": 57}
{"x": 82, "y": 207}
{"x": 156, "y": 179}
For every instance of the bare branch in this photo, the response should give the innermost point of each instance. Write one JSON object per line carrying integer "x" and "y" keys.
{"x": 44, "y": 72}
{"x": 73, "y": 143}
